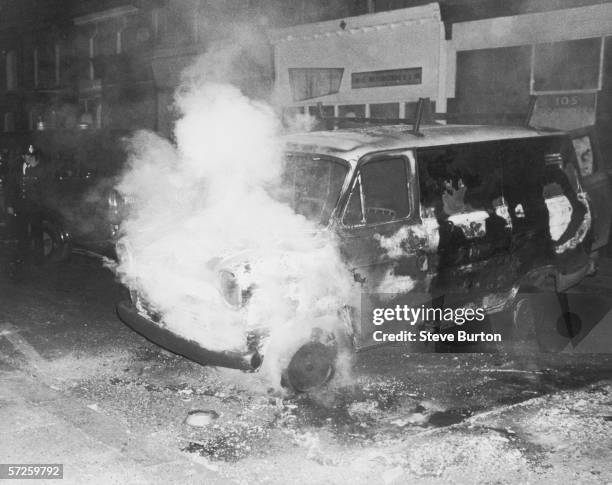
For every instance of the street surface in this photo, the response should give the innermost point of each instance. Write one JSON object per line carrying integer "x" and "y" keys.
{"x": 80, "y": 388}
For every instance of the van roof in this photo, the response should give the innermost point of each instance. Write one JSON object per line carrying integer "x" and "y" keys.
{"x": 352, "y": 143}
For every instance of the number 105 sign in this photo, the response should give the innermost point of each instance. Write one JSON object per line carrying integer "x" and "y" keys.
{"x": 564, "y": 111}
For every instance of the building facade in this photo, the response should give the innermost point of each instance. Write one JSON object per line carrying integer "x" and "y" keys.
{"x": 111, "y": 66}
{"x": 376, "y": 65}
{"x": 479, "y": 62}
{"x": 562, "y": 57}
{"x": 73, "y": 67}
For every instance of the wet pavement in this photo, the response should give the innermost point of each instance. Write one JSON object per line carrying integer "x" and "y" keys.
{"x": 78, "y": 387}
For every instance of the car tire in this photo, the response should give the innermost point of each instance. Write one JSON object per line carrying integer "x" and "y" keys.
{"x": 313, "y": 365}
{"x": 55, "y": 248}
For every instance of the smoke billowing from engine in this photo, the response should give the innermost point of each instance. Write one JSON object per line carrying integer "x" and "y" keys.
{"x": 202, "y": 224}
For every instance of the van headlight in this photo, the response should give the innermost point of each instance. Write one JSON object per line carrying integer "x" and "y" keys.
{"x": 116, "y": 205}
{"x": 230, "y": 288}
{"x": 233, "y": 292}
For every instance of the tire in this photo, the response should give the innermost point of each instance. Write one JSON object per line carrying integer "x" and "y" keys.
{"x": 313, "y": 365}
{"x": 56, "y": 249}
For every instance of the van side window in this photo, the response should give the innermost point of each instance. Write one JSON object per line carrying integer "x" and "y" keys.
{"x": 381, "y": 193}
{"x": 459, "y": 179}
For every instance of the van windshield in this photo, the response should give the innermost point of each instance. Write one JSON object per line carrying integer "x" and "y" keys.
{"x": 311, "y": 185}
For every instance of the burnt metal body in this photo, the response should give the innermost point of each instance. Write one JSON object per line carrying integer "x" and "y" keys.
{"x": 187, "y": 348}
{"x": 499, "y": 243}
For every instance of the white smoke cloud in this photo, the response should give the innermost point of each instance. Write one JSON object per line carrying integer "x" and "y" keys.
{"x": 204, "y": 204}
{"x": 300, "y": 123}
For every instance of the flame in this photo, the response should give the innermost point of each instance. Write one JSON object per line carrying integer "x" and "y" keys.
{"x": 202, "y": 205}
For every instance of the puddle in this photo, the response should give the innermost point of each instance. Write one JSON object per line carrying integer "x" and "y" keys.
{"x": 440, "y": 419}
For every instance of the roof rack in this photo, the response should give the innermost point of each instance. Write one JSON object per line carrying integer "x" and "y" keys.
{"x": 424, "y": 113}
{"x": 423, "y": 107}
{"x": 522, "y": 118}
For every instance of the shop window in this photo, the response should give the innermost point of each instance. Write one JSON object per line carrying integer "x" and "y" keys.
{"x": 59, "y": 52}
{"x": 137, "y": 34}
{"x": 45, "y": 59}
{"x": 308, "y": 83}
{"x": 86, "y": 49}
{"x": 9, "y": 122}
{"x": 569, "y": 65}
{"x": 351, "y": 111}
{"x": 106, "y": 39}
{"x": 11, "y": 70}
{"x": 326, "y": 111}
{"x": 82, "y": 54}
{"x": 492, "y": 85}
{"x": 157, "y": 19}
{"x": 384, "y": 110}
{"x": 174, "y": 26}
{"x": 380, "y": 193}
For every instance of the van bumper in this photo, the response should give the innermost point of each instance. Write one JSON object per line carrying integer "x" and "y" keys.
{"x": 248, "y": 361}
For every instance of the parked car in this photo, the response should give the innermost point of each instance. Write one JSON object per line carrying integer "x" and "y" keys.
{"x": 84, "y": 206}
{"x": 82, "y": 211}
{"x": 473, "y": 214}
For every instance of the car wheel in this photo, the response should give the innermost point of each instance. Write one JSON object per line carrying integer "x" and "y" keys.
{"x": 55, "y": 248}
{"x": 313, "y": 365}
{"x": 310, "y": 367}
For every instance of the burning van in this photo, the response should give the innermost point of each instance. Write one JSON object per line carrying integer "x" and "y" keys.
{"x": 476, "y": 213}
